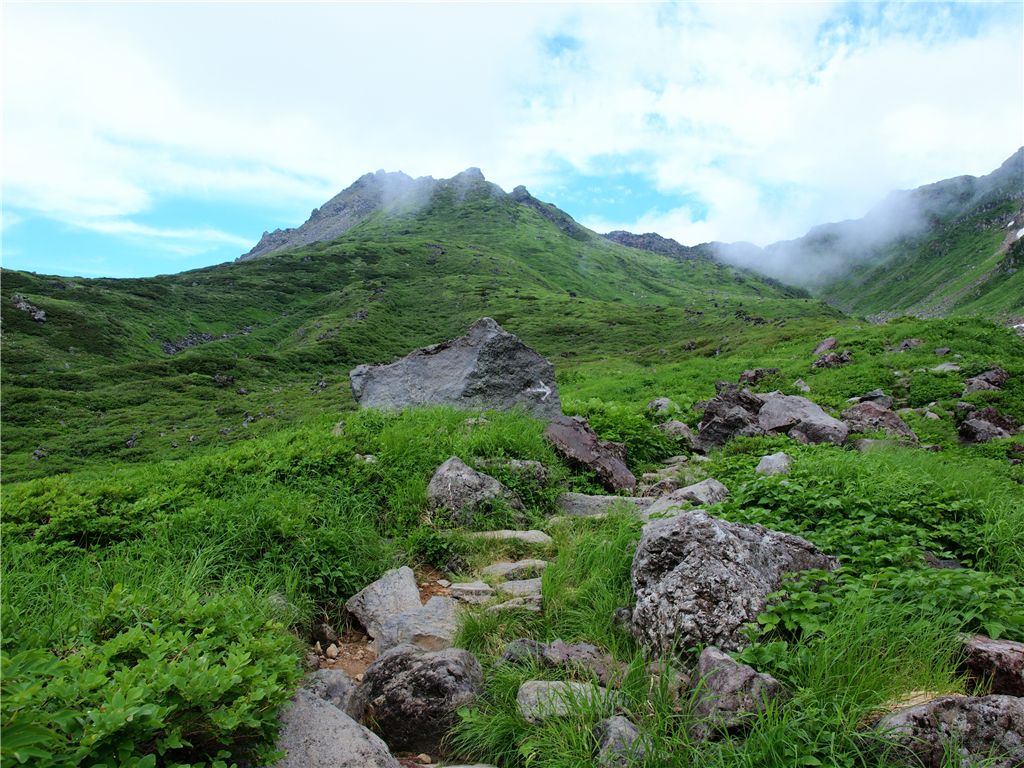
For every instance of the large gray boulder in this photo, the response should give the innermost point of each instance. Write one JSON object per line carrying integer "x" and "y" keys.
{"x": 431, "y": 627}
{"x": 729, "y": 694}
{"x": 975, "y": 728}
{"x": 572, "y": 437}
{"x": 465, "y": 492}
{"x": 801, "y": 419}
{"x": 316, "y": 734}
{"x": 394, "y": 592}
{"x": 698, "y": 580}
{"x": 411, "y": 697}
{"x": 488, "y": 368}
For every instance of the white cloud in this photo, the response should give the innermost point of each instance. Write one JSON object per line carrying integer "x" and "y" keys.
{"x": 779, "y": 117}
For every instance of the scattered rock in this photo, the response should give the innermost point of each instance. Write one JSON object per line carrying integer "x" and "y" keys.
{"x": 536, "y": 538}
{"x": 23, "y": 304}
{"x": 932, "y": 416}
{"x": 867, "y": 444}
{"x": 465, "y": 492}
{"x": 540, "y": 700}
{"x": 940, "y": 351}
{"x": 869, "y": 416}
{"x": 989, "y": 380}
{"x": 980, "y": 430}
{"x": 937, "y": 562}
{"x": 619, "y": 744}
{"x": 833, "y": 360}
{"x": 801, "y": 419}
{"x": 775, "y": 464}
{"x": 699, "y": 580}
{"x": 521, "y": 588}
{"x": 945, "y": 368}
{"x": 582, "y": 505}
{"x": 526, "y": 468}
{"x": 41, "y": 453}
{"x": 662, "y": 406}
{"x": 679, "y": 431}
{"x": 999, "y": 662}
{"x": 560, "y": 655}
{"x": 755, "y": 375}
{"x": 731, "y": 413}
{"x": 412, "y": 696}
{"x": 331, "y": 652}
{"x": 573, "y": 438}
{"x": 488, "y": 368}
{"x": 876, "y": 396}
{"x": 521, "y": 569}
{"x": 729, "y": 694}
{"x": 393, "y": 593}
{"x": 802, "y": 386}
{"x": 906, "y": 344}
{"x": 316, "y": 734}
{"x": 472, "y": 592}
{"x": 704, "y": 493}
{"x": 974, "y": 727}
{"x": 824, "y": 346}
{"x": 530, "y": 604}
{"x": 332, "y": 685}
{"x": 431, "y": 627}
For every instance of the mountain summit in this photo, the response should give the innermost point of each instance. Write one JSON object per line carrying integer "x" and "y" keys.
{"x": 383, "y": 191}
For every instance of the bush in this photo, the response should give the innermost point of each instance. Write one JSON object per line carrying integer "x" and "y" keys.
{"x": 183, "y": 682}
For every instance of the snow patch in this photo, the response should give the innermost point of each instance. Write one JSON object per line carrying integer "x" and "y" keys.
{"x": 1020, "y": 234}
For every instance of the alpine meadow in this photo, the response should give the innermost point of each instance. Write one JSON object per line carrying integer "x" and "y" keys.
{"x": 443, "y": 477}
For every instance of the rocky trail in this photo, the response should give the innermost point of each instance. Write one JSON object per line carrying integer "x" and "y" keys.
{"x": 386, "y": 690}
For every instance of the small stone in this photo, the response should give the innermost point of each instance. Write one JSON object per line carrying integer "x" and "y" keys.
{"x": 444, "y": 583}
{"x": 472, "y": 592}
{"x": 801, "y": 385}
{"x": 332, "y": 651}
{"x": 618, "y": 743}
{"x": 775, "y": 464}
{"x": 540, "y": 700}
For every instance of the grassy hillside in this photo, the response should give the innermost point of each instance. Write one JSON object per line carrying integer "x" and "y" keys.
{"x": 93, "y": 383}
{"x": 964, "y": 265}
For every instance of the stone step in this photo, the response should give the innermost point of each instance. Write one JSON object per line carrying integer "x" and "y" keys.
{"x": 582, "y": 505}
{"x": 537, "y": 538}
{"x": 517, "y": 570}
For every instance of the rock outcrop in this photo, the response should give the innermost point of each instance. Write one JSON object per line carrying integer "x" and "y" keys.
{"x": 572, "y": 437}
{"x": 975, "y": 728}
{"x": 488, "y": 368}
{"x": 996, "y": 662}
{"x": 698, "y": 580}
{"x": 411, "y": 697}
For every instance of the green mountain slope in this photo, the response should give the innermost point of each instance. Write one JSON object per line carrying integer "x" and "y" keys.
{"x": 110, "y": 374}
{"x": 943, "y": 249}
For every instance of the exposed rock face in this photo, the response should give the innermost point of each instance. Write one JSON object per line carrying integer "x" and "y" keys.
{"x": 869, "y": 416}
{"x": 618, "y": 743}
{"x": 466, "y": 492}
{"x": 989, "y": 380}
{"x": 316, "y": 734}
{"x": 774, "y": 464}
{"x": 24, "y": 305}
{"x": 431, "y": 627}
{"x": 583, "y": 505}
{"x": 998, "y": 661}
{"x": 573, "y": 438}
{"x": 976, "y": 727}
{"x": 394, "y": 592}
{"x": 731, "y": 413}
{"x": 410, "y": 697}
{"x": 698, "y": 580}
{"x": 801, "y": 419}
{"x": 331, "y": 685}
{"x": 540, "y": 700}
{"x": 488, "y": 368}
{"x": 729, "y": 694}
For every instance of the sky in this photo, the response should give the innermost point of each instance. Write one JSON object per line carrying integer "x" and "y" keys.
{"x": 149, "y": 138}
